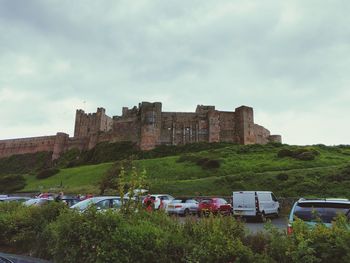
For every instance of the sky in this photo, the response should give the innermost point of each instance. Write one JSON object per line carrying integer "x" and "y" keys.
{"x": 289, "y": 60}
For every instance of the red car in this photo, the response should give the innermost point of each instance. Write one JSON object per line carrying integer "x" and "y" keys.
{"x": 214, "y": 206}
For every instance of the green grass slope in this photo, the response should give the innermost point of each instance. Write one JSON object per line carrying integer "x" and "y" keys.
{"x": 250, "y": 167}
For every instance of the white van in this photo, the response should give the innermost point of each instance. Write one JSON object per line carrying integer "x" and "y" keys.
{"x": 259, "y": 204}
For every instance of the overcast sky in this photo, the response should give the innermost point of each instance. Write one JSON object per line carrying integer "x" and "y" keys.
{"x": 289, "y": 60}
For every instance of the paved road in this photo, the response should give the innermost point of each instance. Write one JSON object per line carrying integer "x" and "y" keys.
{"x": 254, "y": 225}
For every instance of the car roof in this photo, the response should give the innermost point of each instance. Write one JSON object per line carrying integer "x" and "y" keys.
{"x": 103, "y": 197}
{"x": 324, "y": 200}
{"x": 251, "y": 192}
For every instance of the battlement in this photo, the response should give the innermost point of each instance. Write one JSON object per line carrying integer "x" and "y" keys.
{"x": 148, "y": 126}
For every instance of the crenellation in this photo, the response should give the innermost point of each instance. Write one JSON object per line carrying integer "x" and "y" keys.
{"x": 148, "y": 126}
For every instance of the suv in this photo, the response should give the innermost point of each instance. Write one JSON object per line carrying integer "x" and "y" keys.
{"x": 313, "y": 211}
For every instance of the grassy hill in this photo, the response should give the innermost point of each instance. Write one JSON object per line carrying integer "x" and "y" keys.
{"x": 220, "y": 169}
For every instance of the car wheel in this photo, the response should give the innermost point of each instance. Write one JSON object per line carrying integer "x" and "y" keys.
{"x": 278, "y": 213}
{"x": 186, "y": 212}
{"x": 263, "y": 217}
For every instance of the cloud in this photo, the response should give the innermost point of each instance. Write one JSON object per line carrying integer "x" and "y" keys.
{"x": 289, "y": 60}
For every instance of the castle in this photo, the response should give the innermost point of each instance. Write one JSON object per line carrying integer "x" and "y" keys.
{"x": 148, "y": 126}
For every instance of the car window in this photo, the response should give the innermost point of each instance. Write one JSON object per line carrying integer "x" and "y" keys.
{"x": 191, "y": 201}
{"x": 273, "y": 197}
{"x": 264, "y": 197}
{"x": 325, "y": 212}
{"x": 223, "y": 201}
{"x": 178, "y": 201}
{"x": 206, "y": 201}
{"x": 104, "y": 204}
{"x": 164, "y": 197}
{"x": 116, "y": 203}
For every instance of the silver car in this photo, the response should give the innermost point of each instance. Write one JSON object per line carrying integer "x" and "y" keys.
{"x": 182, "y": 206}
{"x": 100, "y": 202}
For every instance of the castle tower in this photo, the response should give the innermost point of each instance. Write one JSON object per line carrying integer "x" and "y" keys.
{"x": 150, "y": 124}
{"x": 89, "y": 124}
{"x": 244, "y": 125}
{"x": 214, "y": 126}
{"x": 59, "y": 147}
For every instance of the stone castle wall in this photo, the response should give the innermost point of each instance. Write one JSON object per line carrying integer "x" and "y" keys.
{"x": 148, "y": 126}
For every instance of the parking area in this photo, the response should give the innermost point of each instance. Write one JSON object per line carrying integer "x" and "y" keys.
{"x": 253, "y": 225}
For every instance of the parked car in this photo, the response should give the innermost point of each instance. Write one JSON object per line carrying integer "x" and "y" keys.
{"x": 14, "y": 199}
{"x": 38, "y": 201}
{"x": 11, "y": 258}
{"x": 163, "y": 199}
{"x": 45, "y": 195}
{"x": 100, "y": 202}
{"x": 313, "y": 211}
{"x": 182, "y": 206}
{"x": 70, "y": 200}
{"x": 258, "y": 204}
{"x": 214, "y": 206}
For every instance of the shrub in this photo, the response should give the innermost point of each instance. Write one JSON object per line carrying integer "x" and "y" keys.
{"x": 47, "y": 173}
{"x": 303, "y": 154}
{"x": 341, "y": 175}
{"x": 25, "y": 163}
{"x": 11, "y": 183}
{"x": 23, "y": 228}
{"x": 64, "y": 235}
{"x": 285, "y": 153}
{"x": 282, "y": 177}
{"x": 188, "y": 158}
{"x": 207, "y": 163}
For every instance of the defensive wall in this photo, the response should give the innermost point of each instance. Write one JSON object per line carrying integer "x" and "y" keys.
{"x": 148, "y": 126}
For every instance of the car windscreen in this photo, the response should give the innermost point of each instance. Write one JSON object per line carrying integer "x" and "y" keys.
{"x": 83, "y": 204}
{"x": 33, "y": 201}
{"x": 324, "y": 212}
{"x": 206, "y": 201}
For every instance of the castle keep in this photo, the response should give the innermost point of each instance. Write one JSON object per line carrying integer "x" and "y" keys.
{"x": 148, "y": 126}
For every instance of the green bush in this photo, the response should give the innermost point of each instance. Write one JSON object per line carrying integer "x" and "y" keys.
{"x": 25, "y": 163}
{"x": 11, "y": 183}
{"x": 303, "y": 154}
{"x": 282, "y": 177}
{"x": 64, "y": 235}
{"x": 23, "y": 228}
{"x": 306, "y": 156}
{"x": 47, "y": 173}
{"x": 285, "y": 153}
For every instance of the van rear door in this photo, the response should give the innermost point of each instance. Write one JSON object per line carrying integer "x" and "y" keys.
{"x": 244, "y": 203}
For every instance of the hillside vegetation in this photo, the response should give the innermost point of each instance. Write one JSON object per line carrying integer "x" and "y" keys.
{"x": 216, "y": 169}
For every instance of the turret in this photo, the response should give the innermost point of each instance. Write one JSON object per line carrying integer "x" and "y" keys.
{"x": 150, "y": 124}
{"x": 244, "y": 125}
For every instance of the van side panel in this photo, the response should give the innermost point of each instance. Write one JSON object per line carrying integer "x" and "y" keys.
{"x": 243, "y": 203}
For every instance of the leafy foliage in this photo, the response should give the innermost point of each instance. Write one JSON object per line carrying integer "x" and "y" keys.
{"x": 11, "y": 183}
{"x": 47, "y": 173}
{"x": 63, "y": 235}
{"x": 25, "y": 163}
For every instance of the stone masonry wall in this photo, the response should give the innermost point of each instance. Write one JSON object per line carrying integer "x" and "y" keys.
{"x": 148, "y": 126}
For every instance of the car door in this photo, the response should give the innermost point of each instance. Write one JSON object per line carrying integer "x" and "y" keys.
{"x": 192, "y": 205}
{"x": 103, "y": 205}
{"x": 275, "y": 204}
{"x": 166, "y": 200}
